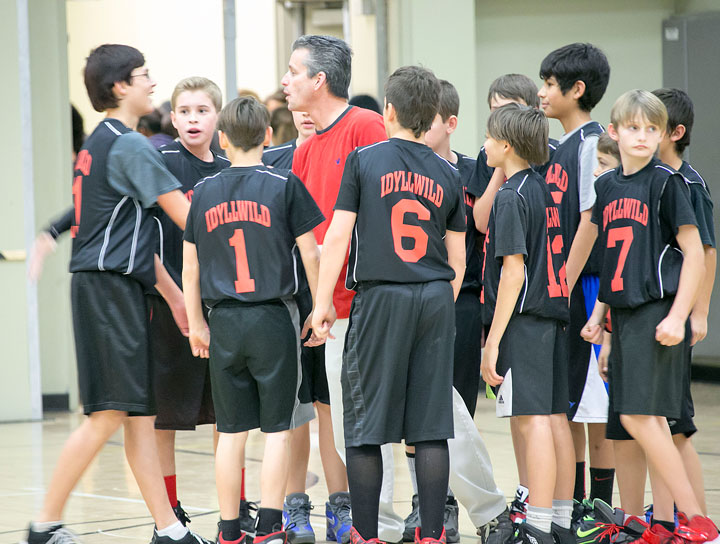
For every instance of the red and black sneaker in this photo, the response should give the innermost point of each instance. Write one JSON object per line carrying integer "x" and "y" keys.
{"x": 222, "y": 540}
{"x": 697, "y": 529}
{"x": 428, "y": 540}
{"x": 355, "y": 538}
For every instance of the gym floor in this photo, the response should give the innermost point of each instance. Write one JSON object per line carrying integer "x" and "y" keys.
{"x": 107, "y": 506}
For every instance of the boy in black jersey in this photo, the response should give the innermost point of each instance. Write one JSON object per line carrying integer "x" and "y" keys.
{"x": 575, "y": 78}
{"x": 118, "y": 177}
{"x": 525, "y": 303}
{"x": 652, "y": 264}
{"x": 397, "y": 201}
{"x": 238, "y": 259}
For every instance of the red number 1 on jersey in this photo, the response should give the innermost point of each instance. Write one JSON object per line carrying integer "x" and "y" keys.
{"x": 244, "y": 283}
{"x": 624, "y": 235}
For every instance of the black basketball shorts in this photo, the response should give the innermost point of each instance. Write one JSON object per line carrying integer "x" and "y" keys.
{"x": 532, "y": 358}
{"x": 398, "y": 364}
{"x": 646, "y": 378}
{"x": 112, "y": 343}
{"x": 181, "y": 381}
{"x": 314, "y": 386}
{"x": 468, "y": 337}
{"x": 255, "y": 365}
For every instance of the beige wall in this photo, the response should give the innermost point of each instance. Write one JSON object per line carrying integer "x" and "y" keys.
{"x": 179, "y": 38}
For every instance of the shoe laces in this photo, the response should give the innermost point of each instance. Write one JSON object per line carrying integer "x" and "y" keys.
{"x": 299, "y": 514}
{"x": 181, "y": 514}
{"x": 342, "y": 508}
{"x": 609, "y": 530}
{"x": 63, "y": 536}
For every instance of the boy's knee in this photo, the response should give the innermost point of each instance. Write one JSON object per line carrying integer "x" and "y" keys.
{"x": 107, "y": 421}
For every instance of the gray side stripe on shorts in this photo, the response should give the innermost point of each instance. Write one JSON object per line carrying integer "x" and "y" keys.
{"x": 295, "y": 318}
{"x": 504, "y": 397}
{"x": 352, "y": 372}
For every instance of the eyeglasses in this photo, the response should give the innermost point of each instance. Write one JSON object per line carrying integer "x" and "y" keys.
{"x": 145, "y": 74}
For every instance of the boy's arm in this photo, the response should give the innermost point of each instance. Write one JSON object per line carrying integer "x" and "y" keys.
{"x": 604, "y": 355}
{"x": 45, "y": 243}
{"x": 332, "y": 260}
{"x": 455, "y": 245}
{"x": 671, "y": 330}
{"x": 198, "y": 331}
{"x": 593, "y": 329}
{"x": 483, "y": 205}
{"x": 310, "y": 255}
{"x": 699, "y": 314}
{"x": 580, "y": 248}
{"x": 176, "y": 205}
{"x": 511, "y": 282}
{"x": 172, "y": 294}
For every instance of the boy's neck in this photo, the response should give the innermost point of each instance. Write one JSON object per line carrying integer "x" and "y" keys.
{"x": 446, "y": 152}
{"x": 238, "y": 157}
{"x": 328, "y": 111}
{"x": 406, "y": 134}
{"x": 513, "y": 165}
{"x": 574, "y": 120}
{"x": 671, "y": 158}
{"x": 632, "y": 165}
{"x": 127, "y": 118}
{"x": 202, "y": 152}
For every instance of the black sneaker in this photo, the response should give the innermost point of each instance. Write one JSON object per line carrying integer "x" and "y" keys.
{"x": 181, "y": 514}
{"x": 55, "y": 535}
{"x": 247, "y": 520}
{"x": 189, "y": 538}
{"x": 412, "y": 522}
{"x": 527, "y": 534}
{"x": 450, "y": 522}
{"x": 497, "y": 531}
{"x": 561, "y": 535}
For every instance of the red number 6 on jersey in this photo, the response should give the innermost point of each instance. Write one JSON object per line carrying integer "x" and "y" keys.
{"x": 401, "y": 230}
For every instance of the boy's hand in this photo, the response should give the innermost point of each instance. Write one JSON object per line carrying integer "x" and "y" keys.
{"x": 200, "y": 342}
{"x": 44, "y": 245}
{"x": 592, "y": 332}
{"x": 488, "y": 364}
{"x": 670, "y": 331}
{"x": 322, "y": 321}
{"x": 180, "y": 316}
{"x": 604, "y": 356}
{"x": 314, "y": 339}
{"x": 699, "y": 326}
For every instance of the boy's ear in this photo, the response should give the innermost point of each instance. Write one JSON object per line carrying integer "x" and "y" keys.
{"x": 390, "y": 113}
{"x": 452, "y": 124}
{"x": 172, "y": 119}
{"x": 224, "y": 143}
{"x": 268, "y": 136}
{"x": 578, "y": 89}
{"x": 612, "y": 132}
{"x": 677, "y": 133}
{"x": 119, "y": 89}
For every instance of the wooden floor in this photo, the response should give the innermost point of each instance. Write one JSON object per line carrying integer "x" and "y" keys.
{"x": 107, "y": 507}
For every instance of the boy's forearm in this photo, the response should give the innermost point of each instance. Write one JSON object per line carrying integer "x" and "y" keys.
{"x": 310, "y": 255}
{"x": 455, "y": 245}
{"x": 332, "y": 257}
{"x": 702, "y": 305}
{"x": 511, "y": 282}
{"x": 483, "y": 205}
{"x": 597, "y": 317}
{"x": 580, "y": 249}
{"x": 191, "y": 287}
{"x": 691, "y": 273}
{"x": 165, "y": 285}
{"x": 176, "y": 206}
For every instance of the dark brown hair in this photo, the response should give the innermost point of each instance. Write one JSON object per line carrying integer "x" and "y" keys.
{"x": 524, "y": 128}
{"x": 106, "y": 65}
{"x": 414, "y": 92}
{"x": 244, "y": 121}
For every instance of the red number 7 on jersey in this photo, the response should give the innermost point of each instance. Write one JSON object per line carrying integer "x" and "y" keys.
{"x": 624, "y": 235}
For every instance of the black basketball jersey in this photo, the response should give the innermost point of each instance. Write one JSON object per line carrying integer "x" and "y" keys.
{"x": 524, "y": 220}
{"x": 702, "y": 203}
{"x": 473, "y": 239}
{"x": 280, "y": 156}
{"x": 406, "y": 197}
{"x": 112, "y": 227}
{"x": 244, "y": 222}
{"x": 188, "y": 169}
{"x": 563, "y": 177}
{"x": 637, "y": 218}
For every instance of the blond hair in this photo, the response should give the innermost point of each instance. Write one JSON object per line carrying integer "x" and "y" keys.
{"x": 197, "y": 83}
{"x": 639, "y": 102}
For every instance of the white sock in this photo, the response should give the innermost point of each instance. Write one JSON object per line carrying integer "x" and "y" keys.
{"x": 562, "y": 513}
{"x": 540, "y": 518}
{"x": 44, "y": 526}
{"x": 627, "y": 517}
{"x": 413, "y": 476}
{"x": 176, "y": 531}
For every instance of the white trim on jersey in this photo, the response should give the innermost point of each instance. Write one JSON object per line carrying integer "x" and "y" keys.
{"x": 205, "y": 179}
{"x": 522, "y": 302}
{"x": 360, "y": 150}
{"x": 660, "y": 260}
{"x": 521, "y": 185}
{"x": 278, "y": 148}
{"x": 164, "y": 151}
{"x": 106, "y": 238}
{"x": 162, "y": 242}
{"x": 222, "y": 158}
{"x": 112, "y": 128}
{"x": 451, "y": 165}
{"x": 702, "y": 179}
{"x": 136, "y": 231}
{"x": 295, "y": 269}
{"x": 272, "y": 174}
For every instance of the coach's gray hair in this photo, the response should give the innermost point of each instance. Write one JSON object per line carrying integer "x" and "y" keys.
{"x": 524, "y": 128}
{"x": 330, "y": 55}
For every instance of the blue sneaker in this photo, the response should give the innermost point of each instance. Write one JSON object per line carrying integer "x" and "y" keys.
{"x": 296, "y": 519}
{"x": 339, "y": 522}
